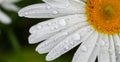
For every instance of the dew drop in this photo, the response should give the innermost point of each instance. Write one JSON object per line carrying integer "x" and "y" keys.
{"x": 55, "y": 12}
{"x": 84, "y": 48}
{"x": 56, "y": 27}
{"x": 62, "y": 22}
{"x": 89, "y": 29}
{"x": 66, "y": 47}
{"x": 38, "y": 27}
{"x": 48, "y": 7}
{"x": 111, "y": 52}
{"x": 49, "y": 24}
{"x": 71, "y": 43}
{"x": 52, "y": 28}
{"x": 67, "y": 5}
{"x": 26, "y": 13}
{"x": 102, "y": 43}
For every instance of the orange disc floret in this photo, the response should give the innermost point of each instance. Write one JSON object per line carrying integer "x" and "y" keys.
{"x": 104, "y": 15}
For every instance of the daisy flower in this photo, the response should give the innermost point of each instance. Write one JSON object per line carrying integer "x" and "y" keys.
{"x": 92, "y": 24}
{"x": 8, "y": 5}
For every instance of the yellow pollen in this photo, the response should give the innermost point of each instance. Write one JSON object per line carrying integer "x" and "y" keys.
{"x": 104, "y": 15}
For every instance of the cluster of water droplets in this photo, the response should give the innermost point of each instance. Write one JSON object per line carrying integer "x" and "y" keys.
{"x": 53, "y": 12}
{"x": 69, "y": 42}
{"x": 50, "y": 25}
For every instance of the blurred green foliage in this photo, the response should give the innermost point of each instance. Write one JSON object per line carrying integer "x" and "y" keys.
{"x": 14, "y": 46}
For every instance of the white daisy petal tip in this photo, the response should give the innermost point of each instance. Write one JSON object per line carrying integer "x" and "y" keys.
{"x": 30, "y": 40}
{"x": 49, "y": 58}
{"x": 39, "y": 50}
{"x": 21, "y": 13}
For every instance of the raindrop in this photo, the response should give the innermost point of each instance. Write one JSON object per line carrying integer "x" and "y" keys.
{"x": 62, "y": 22}
{"x": 66, "y": 47}
{"x": 67, "y": 5}
{"x": 52, "y": 28}
{"x": 55, "y": 12}
{"x": 102, "y": 43}
{"x": 49, "y": 24}
{"x": 48, "y": 7}
{"x": 38, "y": 27}
{"x": 26, "y": 13}
{"x": 110, "y": 51}
{"x": 56, "y": 27}
{"x": 84, "y": 48}
{"x": 66, "y": 41}
{"x": 89, "y": 29}
{"x": 71, "y": 43}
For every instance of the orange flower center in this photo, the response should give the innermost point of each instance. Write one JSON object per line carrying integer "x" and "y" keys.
{"x": 104, "y": 15}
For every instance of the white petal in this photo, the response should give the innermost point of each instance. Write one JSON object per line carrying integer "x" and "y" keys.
{"x": 69, "y": 43}
{"x": 78, "y": 4}
{"x": 10, "y": 6}
{"x": 116, "y": 39}
{"x": 94, "y": 54}
{"x": 86, "y": 48}
{"x": 54, "y": 25}
{"x": 57, "y": 24}
{"x": 35, "y": 38}
{"x": 49, "y": 44}
{"x": 46, "y": 11}
{"x": 4, "y": 18}
{"x": 112, "y": 50}
{"x": 60, "y": 4}
{"x": 104, "y": 50}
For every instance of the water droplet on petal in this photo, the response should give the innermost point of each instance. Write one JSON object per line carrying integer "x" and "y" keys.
{"x": 49, "y": 24}
{"x": 84, "y": 48}
{"x": 67, "y": 5}
{"x": 62, "y": 22}
{"x": 102, "y": 43}
{"x": 55, "y": 12}
{"x": 39, "y": 27}
{"x": 66, "y": 47}
{"x": 89, "y": 29}
{"x": 111, "y": 52}
{"x": 48, "y": 7}
{"x": 52, "y": 28}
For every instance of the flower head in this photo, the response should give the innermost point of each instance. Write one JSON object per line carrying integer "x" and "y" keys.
{"x": 95, "y": 24}
{"x": 8, "y": 5}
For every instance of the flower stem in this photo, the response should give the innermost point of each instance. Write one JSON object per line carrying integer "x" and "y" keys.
{"x": 13, "y": 39}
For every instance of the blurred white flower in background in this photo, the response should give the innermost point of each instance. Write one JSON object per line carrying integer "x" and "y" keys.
{"x": 10, "y": 6}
